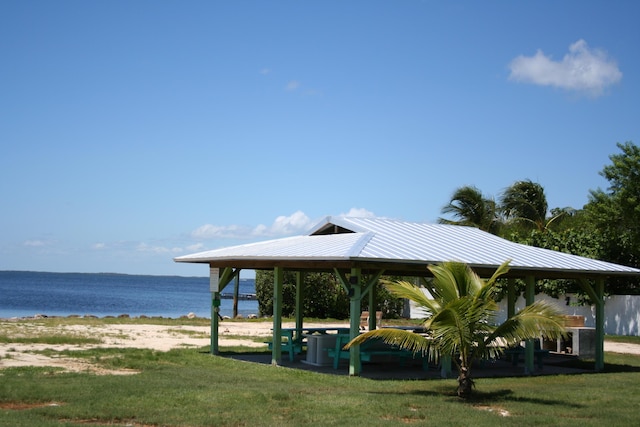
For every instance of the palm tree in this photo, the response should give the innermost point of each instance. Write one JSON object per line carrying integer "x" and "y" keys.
{"x": 472, "y": 209}
{"x": 460, "y": 320}
{"x": 525, "y": 202}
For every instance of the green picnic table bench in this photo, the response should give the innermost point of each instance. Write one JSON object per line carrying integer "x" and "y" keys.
{"x": 516, "y": 352}
{"x": 294, "y": 340}
{"x": 369, "y": 349}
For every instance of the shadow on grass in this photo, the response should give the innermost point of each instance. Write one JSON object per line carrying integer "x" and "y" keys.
{"x": 240, "y": 351}
{"x": 615, "y": 368}
{"x": 486, "y": 397}
{"x": 574, "y": 366}
{"x": 609, "y": 367}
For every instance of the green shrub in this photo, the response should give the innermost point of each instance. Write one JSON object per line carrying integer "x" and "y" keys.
{"x": 323, "y": 297}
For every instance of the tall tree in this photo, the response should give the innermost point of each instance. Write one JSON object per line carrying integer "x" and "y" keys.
{"x": 461, "y": 320}
{"x": 471, "y": 208}
{"x": 615, "y": 213}
{"x": 525, "y": 203}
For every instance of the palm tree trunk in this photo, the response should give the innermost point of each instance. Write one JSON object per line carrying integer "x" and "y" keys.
{"x": 465, "y": 383}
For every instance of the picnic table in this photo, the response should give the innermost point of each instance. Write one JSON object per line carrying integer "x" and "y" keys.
{"x": 539, "y": 354}
{"x": 370, "y": 349}
{"x": 294, "y": 339}
{"x": 415, "y": 329}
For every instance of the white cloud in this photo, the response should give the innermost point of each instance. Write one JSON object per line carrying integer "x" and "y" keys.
{"x": 359, "y": 212}
{"x": 292, "y": 85}
{"x": 582, "y": 69}
{"x": 35, "y": 243}
{"x": 296, "y": 223}
{"x": 99, "y": 246}
{"x": 265, "y": 71}
{"x": 195, "y": 248}
{"x": 281, "y": 226}
{"x": 260, "y": 230}
{"x": 296, "y": 86}
{"x": 209, "y": 231}
{"x": 285, "y": 225}
{"x": 144, "y": 247}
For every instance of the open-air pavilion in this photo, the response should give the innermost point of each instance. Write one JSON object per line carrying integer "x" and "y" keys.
{"x": 354, "y": 248}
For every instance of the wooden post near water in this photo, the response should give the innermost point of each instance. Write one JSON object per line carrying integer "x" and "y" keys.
{"x": 236, "y": 290}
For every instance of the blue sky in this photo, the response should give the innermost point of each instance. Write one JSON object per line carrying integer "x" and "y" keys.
{"x": 134, "y": 132}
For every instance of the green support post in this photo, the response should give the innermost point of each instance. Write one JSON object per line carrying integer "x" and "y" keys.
{"x": 299, "y": 300}
{"x": 236, "y": 292}
{"x": 217, "y": 281}
{"x": 372, "y": 308}
{"x": 511, "y": 297}
{"x": 369, "y": 290}
{"x": 276, "y": 348}
{"x": 215, "y": 320}
{"x": 355, "y": 295}
{"x": 530, "y": 294}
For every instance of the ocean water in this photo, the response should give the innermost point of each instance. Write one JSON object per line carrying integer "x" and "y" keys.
{"x": 25, "y": 294}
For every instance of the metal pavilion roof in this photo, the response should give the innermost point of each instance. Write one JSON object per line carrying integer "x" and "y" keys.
{"x": 401, "y": 247}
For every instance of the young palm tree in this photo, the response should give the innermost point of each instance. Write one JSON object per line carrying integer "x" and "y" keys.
{"x": 471, "y": 208}
{"x": 460, "y": 320}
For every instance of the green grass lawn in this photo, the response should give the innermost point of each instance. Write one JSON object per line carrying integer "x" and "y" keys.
{"x": 189, "y": 387}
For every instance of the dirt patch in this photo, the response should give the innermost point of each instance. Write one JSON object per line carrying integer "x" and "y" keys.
{"x": 22, "y": 406}
{"x": 26, "y": 355}
{"x": 110, "y": 423}
{"x": 500, "y": 411}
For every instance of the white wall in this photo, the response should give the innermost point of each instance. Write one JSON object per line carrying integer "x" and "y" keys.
{"x": 621, "y": 312}
{"x": 622, "y": 315}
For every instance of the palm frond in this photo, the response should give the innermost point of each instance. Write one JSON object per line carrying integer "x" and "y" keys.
{"x": 448, "y": 328}
{"x": 536, "y": 320}
{"x": 406, "y": 340}
{"x": 461, "y": 317}
{"x": 403, "y": 289}
{"x": 502, "y": 269}
{"x": 488, "y": 289}
{"x": 444, "y": 283}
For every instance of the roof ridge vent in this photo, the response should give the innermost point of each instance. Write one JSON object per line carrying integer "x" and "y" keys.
{"x": 331, "y": 228}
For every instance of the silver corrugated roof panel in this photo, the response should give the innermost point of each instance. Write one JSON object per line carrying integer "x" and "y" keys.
{"x": 391, "y": 241}
{"x": 409, "y": 241}
{"x": 332, "y": 246}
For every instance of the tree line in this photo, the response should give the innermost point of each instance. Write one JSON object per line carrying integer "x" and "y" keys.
{"x": 606, "y": 228}
{"x": 323, "y": 296}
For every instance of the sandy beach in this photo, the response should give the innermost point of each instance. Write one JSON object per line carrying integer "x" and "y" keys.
{"x": 156, "y": 337}
{"x": 150, "y": 336}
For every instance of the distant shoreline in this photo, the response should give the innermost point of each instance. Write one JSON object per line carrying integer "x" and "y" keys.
{"x": 26, "y": 294}
{"x": 92, "y": 316}
{"x": 120, "y": 316}
{"x": 104, "y": 273}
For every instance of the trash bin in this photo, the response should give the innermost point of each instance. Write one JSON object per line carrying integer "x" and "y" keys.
{"x": 312, "y": 344}
{"x": 323, "y": 343}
